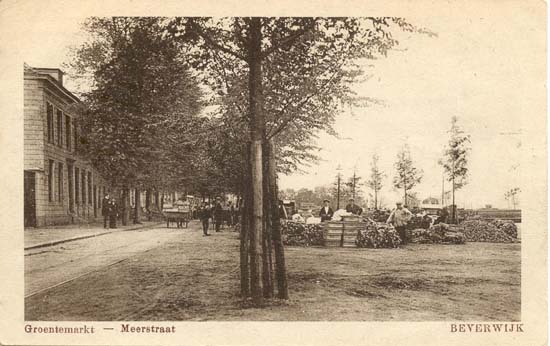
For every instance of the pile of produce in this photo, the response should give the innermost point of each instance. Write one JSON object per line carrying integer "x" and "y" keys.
{"x": 380, "y": 216}
{"x": 415, "y": 222}
{"x": 507, "y": 227}
{"x": 378, "y": 235}
{"x": 484, "y": 231}
{"x": 300, "y": 234}
{"x": 438, "y": 234}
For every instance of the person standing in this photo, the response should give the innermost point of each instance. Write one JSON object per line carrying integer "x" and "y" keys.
{"x": 105, "y": 210}
{"x": 326, "y": 212}
{"x": 204, "y": 214}
{"x": 399, "y": 218}
{"x": 113, "y": 213}
{"x": 231, "y": 220}
{"x": 218, "y": 213}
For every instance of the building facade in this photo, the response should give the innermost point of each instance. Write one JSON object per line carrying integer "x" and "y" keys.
{"x": 60, "y": 186}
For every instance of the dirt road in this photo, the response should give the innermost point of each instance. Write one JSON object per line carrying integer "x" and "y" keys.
{"x": 191, "y": 277}
{"x": 52, "y": 265}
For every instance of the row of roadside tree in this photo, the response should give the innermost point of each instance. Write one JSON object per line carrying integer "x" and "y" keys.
{"x": 216, "y": 105}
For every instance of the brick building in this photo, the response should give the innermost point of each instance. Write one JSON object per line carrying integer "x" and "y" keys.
{"x": 60, "y": 186}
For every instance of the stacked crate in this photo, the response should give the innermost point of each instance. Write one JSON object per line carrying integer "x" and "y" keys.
{"x": 351, "y": 225}
{"x": 343, "y": 233}
{"x": 333, "y": 233}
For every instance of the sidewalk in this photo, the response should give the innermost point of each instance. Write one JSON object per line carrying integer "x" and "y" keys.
{"x": 48, "y": 236}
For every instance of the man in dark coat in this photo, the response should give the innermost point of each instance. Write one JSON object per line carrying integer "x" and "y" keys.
{"x": 218, "y": 213}
{"x": 204, "y": 214}
{"x": 326, "y": 211}
{"x": 353, "y": 208}
{"x": 105, "y": 210}
{"x": 231, "y": 220}
{"x": 113, "y": 213}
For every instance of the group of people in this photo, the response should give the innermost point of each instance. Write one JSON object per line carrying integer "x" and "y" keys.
{"x": 109, "y": 210}
{"x": 399, "y": 217}
{"x": 216, "y": 213}
{"x": 326, "y": 213}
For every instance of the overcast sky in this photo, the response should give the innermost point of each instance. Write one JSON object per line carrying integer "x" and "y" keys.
{"x": 470, "y": 70}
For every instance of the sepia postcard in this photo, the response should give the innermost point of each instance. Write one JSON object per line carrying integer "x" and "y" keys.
{"x": 273, "y": 173}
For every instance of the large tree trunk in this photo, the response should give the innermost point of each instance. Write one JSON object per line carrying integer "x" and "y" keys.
{"x": 267, "y": 265}
{"x": 246, "y": 209}
{"x": 137, "y": 207}
{"x": 244, "y": 238}
{"x": 257, "y": 226}
{"x": 280, "y": 265}
{"x": 257, "y": 130}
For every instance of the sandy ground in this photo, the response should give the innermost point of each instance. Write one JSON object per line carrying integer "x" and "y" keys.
{"x": 197, "y": 278}
{"x": 50, "y": 265}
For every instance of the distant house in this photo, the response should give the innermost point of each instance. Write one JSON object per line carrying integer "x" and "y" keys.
{"x": 431, "y": 204}
{"x": 60, "y": 186}
{"x": 412, "y": 202}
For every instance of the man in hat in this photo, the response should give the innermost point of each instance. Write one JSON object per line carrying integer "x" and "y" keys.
{"x": 326, "y": 211}
{"x": 105, "y": 210}
{"x": 399, "y": 218}
{"x": 218, "y": 213}
{"x": 204, "y": 215}
{"x": 353, "y": 208}
{"x": 113, "y": 212}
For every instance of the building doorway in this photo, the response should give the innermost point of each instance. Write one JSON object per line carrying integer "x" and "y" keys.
{"x": 95, "y": 201}
{"x": 30, "y": 199}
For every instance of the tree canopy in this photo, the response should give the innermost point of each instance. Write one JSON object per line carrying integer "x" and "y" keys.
{"x": 141, "y": 118}
{"x": 407, "y": 176}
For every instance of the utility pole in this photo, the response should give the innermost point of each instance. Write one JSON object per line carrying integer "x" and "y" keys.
{"x": 442, "y": 189}
{"x": 338, "y": 176}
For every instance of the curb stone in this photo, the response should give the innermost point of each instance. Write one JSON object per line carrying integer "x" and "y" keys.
{"x": 55, "y": 242}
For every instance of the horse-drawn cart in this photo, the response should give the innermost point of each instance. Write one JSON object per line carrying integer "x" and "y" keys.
{"x": 177, "y": 216}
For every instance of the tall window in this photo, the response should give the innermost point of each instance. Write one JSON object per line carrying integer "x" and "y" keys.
{"x": 59, "y": 128}
{"x": 60, "y": 182}
{"x": 49, "y": 119}
{"x": 70, "y": 185}
{"x": 77, "y": 185}
{"x": 68, "y": 131}
{"x": 90, "y": 196}
{"x": 75, "y": 136}
{"x": 50, "y": 180}
{"x": 83, "y": 187}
